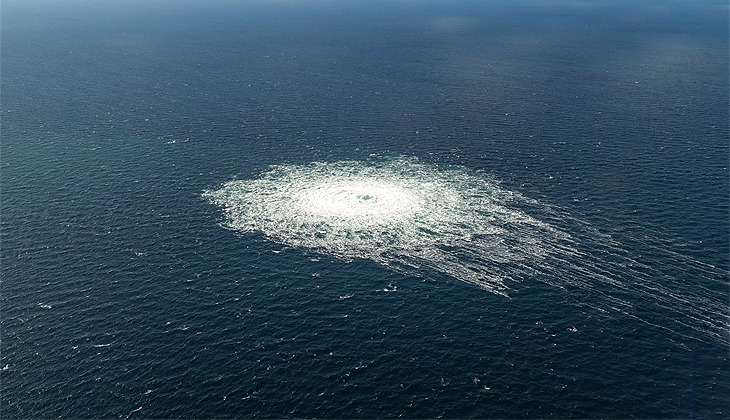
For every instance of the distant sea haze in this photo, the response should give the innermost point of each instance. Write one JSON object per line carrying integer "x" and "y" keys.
{"x": 364, "y": 210}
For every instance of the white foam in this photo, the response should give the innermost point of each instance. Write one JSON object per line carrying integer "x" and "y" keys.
{"x": 419, "y": 218}
{"x": 398, "y": 212}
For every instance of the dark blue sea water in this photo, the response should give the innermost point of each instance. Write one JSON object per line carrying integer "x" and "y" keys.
{"x": 125, "y": 293}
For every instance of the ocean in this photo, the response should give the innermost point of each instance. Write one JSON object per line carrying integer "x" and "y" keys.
{"x": 358, "y": 209}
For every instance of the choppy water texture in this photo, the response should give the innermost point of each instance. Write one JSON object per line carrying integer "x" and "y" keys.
{"x": 442, "y": 209}
{"x": 419, "y": 218}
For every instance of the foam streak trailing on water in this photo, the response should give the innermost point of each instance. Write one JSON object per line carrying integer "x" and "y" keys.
{"x": 400, "y": 213}
{"x": 419, "y": 218}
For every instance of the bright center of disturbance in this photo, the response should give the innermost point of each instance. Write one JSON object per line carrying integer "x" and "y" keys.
{"x": 360, "y": 199}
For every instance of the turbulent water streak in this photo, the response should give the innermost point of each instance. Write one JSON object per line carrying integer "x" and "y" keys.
{"x": 416, "y": 217}
{"x": 400, "y": 213}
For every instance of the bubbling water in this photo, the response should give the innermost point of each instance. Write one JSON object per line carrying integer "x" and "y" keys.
{"x": 398, "y": 212}
{"x": 358, "y": 200}
{"x": 419, "y": 218}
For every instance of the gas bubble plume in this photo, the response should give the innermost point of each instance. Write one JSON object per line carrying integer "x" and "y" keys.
{"x": 423, "y": 219}
{"x": 399, "y": 213}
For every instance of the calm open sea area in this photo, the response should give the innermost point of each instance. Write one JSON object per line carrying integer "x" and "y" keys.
{"x": 417, "y": 209}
